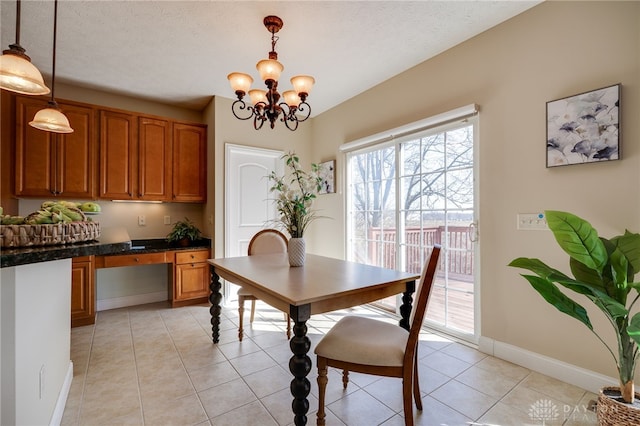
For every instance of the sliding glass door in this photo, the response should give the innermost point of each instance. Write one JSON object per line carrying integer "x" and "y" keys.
{"x": 406, "y": 195}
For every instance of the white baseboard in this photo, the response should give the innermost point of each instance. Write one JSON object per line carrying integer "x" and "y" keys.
{"x": 58, "y": 411}
{"x": 577, "y": 376}
{"x": 135, "y": 299}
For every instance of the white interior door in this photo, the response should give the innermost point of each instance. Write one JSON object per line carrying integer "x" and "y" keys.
{"x": 248, "y": 207}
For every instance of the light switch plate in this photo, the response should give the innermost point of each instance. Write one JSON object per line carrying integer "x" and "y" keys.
{"x": 142, "y": 221}
{"x": 532, "y": 222}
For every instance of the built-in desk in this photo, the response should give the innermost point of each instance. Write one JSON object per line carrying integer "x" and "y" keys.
{"x": 188, "y": 271}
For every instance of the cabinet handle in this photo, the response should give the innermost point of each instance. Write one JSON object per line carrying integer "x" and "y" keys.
{"x": 193, "y": 257}
{"x": 193, "y": 265}
{"x": 136, "y": 259}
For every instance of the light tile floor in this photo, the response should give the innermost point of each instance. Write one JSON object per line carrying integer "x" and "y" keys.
{"x": 153, "y": 365}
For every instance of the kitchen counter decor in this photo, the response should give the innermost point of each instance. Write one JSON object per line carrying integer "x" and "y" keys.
{"x": 57, "y": 222}
{"x": 51, "y": 234}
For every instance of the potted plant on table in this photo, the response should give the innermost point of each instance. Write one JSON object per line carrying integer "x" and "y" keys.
{"x": 295, "y": 194}
{"x": 184, "y": 232}
{"x": 603, "y": 271}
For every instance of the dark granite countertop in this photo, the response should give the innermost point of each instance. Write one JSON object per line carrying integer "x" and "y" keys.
{"x": 154, "y": 245}
{"x": 112, "y": 241}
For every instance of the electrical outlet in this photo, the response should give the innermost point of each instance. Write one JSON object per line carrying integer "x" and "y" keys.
{"x": 167, "y": 220}
{"x": 532, "y": 222}
{"x": 142, "y": 221}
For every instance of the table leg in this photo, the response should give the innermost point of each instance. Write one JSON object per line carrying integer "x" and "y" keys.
{"x": 215, "y": 297}
{"x": 405, "y": 308}
{"x": 300, "y": 363}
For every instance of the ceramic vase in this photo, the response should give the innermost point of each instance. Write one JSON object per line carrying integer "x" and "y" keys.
{"x": 296, "y": 251}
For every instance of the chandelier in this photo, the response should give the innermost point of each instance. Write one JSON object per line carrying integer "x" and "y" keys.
{"x": 266, "y": 105}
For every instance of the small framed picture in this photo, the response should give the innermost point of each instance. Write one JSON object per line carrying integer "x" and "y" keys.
{"x": 584, "y": 128}
{"x": 327, "y": 172}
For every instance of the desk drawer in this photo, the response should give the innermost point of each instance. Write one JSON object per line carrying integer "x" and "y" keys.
{"x": 193, "y": 256}
{"x": 134, "y": 259}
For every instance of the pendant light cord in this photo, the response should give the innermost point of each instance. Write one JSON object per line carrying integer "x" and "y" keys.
{"x": 18, "y": 22}
{"x": 55, "y": 31}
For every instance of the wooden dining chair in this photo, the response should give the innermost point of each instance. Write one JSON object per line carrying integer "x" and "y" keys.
{"x": 264, "y": 242}
{"x": 370, "y": 346}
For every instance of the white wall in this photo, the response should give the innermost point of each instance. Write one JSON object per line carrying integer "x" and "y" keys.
{"x": 36, "y": 333}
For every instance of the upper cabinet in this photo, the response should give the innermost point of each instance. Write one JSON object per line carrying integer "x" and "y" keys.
{"x": 142, "y": 158}
{"x": 189, "y": 163}
{"x": 118, "y": 142}
{"x": 51, "y": 164}
{"x": 154, "y": 159}
{"x": 112, "y": 154}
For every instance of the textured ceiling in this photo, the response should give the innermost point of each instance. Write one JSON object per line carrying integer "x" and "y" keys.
{"x": 180, "y": 52}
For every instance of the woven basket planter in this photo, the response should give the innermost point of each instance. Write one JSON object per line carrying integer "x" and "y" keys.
{"x": 15, "y": 236}
{"x": 614, "y": 413}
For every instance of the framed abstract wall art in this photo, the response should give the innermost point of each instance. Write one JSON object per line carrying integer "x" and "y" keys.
{"x": 584, "y": 128}
{"x": 327, "y": 172}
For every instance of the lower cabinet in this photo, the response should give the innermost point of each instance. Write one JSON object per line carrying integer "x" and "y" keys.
{"x": 191, "y": 277}
{"x": 82, "y": 291}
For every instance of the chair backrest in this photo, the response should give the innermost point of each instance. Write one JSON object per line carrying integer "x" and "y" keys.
{"x": 268, "y": 241}
{"x": 421, "y": 300}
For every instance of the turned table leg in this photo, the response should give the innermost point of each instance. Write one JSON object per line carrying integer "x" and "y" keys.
{"x": 405, "y": 308}
{"x": 215, "y": 297}
{"x": 300, "y": 363}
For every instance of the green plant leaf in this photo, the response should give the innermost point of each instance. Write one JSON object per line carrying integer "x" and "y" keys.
{"x": 629, "y": 245}
{"x": 583, "y": 273}
{"x": 634, "y": 328}
{"x": 558, "y": 299}
{"x": 577, "y": 238}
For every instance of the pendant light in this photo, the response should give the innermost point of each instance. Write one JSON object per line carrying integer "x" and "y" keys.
{"x": 17, "y": 73}
{"x": 51, "y": 119}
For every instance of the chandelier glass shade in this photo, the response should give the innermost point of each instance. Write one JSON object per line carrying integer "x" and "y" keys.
{"x": 17, "y": 73}
{"x": 51, "y": 119}
{"x": 266, "y": 104}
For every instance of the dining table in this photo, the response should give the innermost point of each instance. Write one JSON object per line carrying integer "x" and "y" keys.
{"x": 322, "y": 284}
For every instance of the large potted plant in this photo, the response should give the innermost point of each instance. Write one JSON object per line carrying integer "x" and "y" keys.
{"x": 295, "y": 194}
{"x": 603, "y": 271}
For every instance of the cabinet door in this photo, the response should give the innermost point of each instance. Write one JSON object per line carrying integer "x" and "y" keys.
{"x": 154, "y": 159}
{"x": 82, "y": 291}
{"x": 118, "y": 144}
{"x": 55, "y": 164}
{"x": 192, "y": 281}
{"x": 189, "y": 163}
{"x": 34, "y": 152}
{"x": 76, "y": 154}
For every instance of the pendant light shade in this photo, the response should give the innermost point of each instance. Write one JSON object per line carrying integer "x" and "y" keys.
{"x": 17, "y": 73}
{"x": 51, "y": 119}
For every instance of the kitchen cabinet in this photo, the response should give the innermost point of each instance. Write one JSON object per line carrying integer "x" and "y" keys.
{"x": 154, "y": 159}
{"x": 51, "y": 164}
{"x": 118, "y": 143}
{"x": 82, "y": 291}
{"x": 191, "y": 277}
{"x": 189, "y": 163}
{"x": 150, "y": 158}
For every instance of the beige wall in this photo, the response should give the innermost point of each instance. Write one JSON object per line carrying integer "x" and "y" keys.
{"x": 554, "y": 50}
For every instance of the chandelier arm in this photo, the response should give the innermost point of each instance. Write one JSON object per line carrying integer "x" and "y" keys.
{"x": 305, "y": 109}
{"x": 258, "y": 118}
{"x": 294, "y": 123}
{"x": 239, "y": 106}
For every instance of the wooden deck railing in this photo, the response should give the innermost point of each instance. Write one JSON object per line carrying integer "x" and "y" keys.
{"x": 459, "y": 248}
